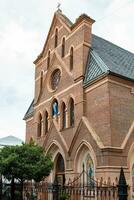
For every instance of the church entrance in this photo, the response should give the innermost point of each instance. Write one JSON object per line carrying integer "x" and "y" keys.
{"x": 60, "y": 170}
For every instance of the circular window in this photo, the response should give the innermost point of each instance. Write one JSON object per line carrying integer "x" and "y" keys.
{"x": 55, "y": 79}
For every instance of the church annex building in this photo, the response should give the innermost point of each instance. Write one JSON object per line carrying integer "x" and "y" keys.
{"x": 83, "y": 108}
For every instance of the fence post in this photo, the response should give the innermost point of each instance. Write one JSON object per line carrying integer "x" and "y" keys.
{"x": 56, "y": 190}
{"x": 83, "y": 179}
{"x": 122, "y": 186}
{"x": 0, "y": 186}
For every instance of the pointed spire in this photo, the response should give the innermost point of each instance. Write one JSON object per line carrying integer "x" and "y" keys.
{"x": 122, "y": 186}
{"x": 122, "y": 179}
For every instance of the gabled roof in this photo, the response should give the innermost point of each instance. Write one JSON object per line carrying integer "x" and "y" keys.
{"x": 30, "y": 110}
{"x": 106, "y": 57}
{"x": 59, "y": 15}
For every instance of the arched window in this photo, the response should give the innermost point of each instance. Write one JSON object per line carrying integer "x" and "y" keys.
{"x": 63, "y": 48}
{"x": 60, "y": 167}
{"x": 41, "y": 80}
{"x": 55, "y": 108}
{"x": 55, "y": 79}
{"x": 48, "y": 59}
{"x": 40, "y": 126}
{"x": 63, "y": 115}
{"x": 60, "y": 170}
{"x": 133, "y": 178}
{"x": 56, "y": 37}
{"x": 71, "y": 112}
{"x": 71, "y": 58}
{"x": 46, "y": 122}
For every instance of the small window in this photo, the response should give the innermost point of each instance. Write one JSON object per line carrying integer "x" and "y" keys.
{"x": 40, "y": 126}
{"x": 46, "y": 122}
{"x": 63, "y": 48}
{"x": 41, "y": 80}
{"x": 63, "y": 115}
{"x": 56, "y": 37}
{"x": 48, "y": 59}
{"x": 71, "y": 58}
{"x": 55, "y": 108}
{"x": 71, "y": 112}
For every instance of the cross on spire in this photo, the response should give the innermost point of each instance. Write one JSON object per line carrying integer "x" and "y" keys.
{"x": 58, "y": 6}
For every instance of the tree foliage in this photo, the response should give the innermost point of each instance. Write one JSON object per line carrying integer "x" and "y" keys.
{"x": 25, "y": 162}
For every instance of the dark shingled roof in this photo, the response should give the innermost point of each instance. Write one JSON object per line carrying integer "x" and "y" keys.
{"x": 30, "y": 110}
{"x": 106, "y": 57}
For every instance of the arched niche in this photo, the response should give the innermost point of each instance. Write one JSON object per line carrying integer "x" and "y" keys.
{"x": 59, "y": 169}
{"x": 56, "y": 152}
{"x": 85, "y": 156}
{"x": 55, "y": 108}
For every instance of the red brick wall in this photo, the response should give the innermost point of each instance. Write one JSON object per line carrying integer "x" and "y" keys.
{"x": 121, "y": 110}
{"x": 98, "y": 111}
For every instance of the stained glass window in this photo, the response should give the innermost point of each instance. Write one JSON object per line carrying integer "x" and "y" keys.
{"x": 55, "y": 79}
{"x": 133, "y": 178}
{"x": 89, "y": 170}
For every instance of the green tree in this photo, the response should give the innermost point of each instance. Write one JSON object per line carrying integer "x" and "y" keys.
{"x": 25, "y": 162}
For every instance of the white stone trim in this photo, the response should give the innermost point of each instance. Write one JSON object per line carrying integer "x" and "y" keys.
{"x": 61, "y": 92}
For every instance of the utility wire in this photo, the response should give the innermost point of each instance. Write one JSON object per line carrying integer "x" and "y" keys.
{"x": 106, "y": 16}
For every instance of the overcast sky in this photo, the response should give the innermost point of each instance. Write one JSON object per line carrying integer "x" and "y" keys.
{"x": 23, "y": 30}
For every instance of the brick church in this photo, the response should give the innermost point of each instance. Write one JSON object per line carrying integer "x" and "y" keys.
{"x": 83, "y": 108}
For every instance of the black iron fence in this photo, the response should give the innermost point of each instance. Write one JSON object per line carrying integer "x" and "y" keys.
{"x": 82, "y": 187}
{"x": 6, "y": 191}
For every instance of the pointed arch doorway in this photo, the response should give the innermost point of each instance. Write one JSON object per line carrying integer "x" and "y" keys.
{"x": 60, "y": 170}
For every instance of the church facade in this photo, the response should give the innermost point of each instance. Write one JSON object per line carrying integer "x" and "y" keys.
{"x": 83, "y": 108}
